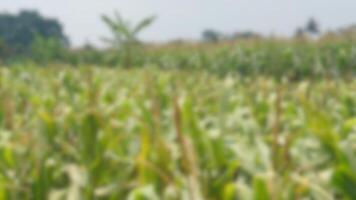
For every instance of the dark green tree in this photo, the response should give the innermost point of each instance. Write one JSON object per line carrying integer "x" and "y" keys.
{"x": 211, "y": 36}
{"x": 18, "y": 32}
{"x": 312, "y": 26}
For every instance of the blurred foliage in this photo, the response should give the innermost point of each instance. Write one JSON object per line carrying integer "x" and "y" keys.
{"x": 42, "y": 41}
{"x": 47, "y": 50}
{"x": 18, "y": 32}
{"x": 211, "y": 36}
{"x": 237, "y": 118}
{"x": 312, "y": 26}
{"x": 292, "y": 59}
{"x": 94, "y": 133}
{"x": 125, "y": 36}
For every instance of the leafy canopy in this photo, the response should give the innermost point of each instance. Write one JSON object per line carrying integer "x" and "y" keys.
{"x": 18, "y": 32}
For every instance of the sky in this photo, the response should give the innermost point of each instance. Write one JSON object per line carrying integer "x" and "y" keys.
{"x": 178, "y": 19}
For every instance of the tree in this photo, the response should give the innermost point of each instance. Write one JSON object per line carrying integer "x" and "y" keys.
{"x": 125, "y": 35}
{"x": 312, "y": 26}
{"x": 211, "y": 36}
{"x": 245, "y": 35}
{"x": 18, "y": 32}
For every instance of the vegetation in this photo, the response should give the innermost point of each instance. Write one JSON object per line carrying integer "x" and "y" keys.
{"x": 92, "y": 133}
{"x": 211, "y": 36}
{"x": 237, "y": 117}
{"x": 292, "y": 59}
{"x": 125, "y": 36}
{"x": 19, "y": 32}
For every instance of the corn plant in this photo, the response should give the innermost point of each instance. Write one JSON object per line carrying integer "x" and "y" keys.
{"x": 94, "y": 133}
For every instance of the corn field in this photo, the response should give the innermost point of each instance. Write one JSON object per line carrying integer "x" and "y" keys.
{"x": 293, "y": 59}
{"x": 103, "y": 133}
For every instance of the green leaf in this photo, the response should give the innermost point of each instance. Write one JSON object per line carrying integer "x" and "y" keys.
{"x": 229, "y": 192}
{"x": 144, "y": 23}
{"x": 260, "y": 189}
{"x": 344, "y": 179}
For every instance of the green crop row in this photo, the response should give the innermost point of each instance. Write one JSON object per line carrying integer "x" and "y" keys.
{"x": 292, "y": 59}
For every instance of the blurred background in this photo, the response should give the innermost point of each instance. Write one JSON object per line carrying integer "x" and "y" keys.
{"x": 141, "y": 33}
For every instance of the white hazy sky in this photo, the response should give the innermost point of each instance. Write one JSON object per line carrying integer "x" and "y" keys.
{"x": 187, "y": 18}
